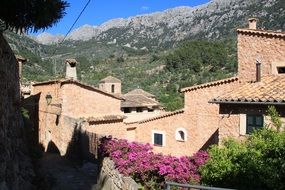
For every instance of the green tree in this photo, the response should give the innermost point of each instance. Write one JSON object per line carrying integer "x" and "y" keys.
{"x": 257, "y": 163}
{"x": 30, "y": 15}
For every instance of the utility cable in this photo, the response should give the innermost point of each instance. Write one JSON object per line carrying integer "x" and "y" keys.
{"x": 71, "y": 26}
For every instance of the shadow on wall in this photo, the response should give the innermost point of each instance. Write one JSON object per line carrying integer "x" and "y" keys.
{"x": 214, "y": 139}
{"x": 52, "y": 148}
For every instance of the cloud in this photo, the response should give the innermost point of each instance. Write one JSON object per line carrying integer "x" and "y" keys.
{"x": 144, "y": 8}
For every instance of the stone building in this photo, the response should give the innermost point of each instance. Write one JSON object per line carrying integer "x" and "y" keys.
{"x": 63, "y": 103}
{"x": 16, "y": 169}
{"x": 261, "y": 71}
{"x": 230, "y": 107}
{"x": 111, "y": 84}
{"x": 139, "y": 104}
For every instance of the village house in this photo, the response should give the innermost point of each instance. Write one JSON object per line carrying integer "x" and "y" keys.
{"x": 136, "y": 104}
{"x": 231, "y": 107}
{"x": 63, "y": 103}
{"x": 139, "y": 104}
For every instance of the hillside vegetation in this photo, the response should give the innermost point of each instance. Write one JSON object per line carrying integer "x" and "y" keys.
{"x": 160, "y": 52}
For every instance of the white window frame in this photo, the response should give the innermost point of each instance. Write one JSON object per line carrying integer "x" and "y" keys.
{"x": 274, "y": 67}
{"x": 177, "y": 135}
{"x": 158, "y": 132}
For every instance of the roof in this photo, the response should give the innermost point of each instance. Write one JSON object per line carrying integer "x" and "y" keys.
{"x": 71, "y": 61}
{"x": 271, "y": 90}
{"x": 105, "y": 118}
{"x": 20, "y": 58}
{"x": 139, "y": 91}
{"x": 68, "y": 81}
{"x": 110, "y": 79}
{"x": 262, "y": 32}
{"x": 168, "y": 114}
{"x": 137, "y": 100}
{"x": 210, "y": 84}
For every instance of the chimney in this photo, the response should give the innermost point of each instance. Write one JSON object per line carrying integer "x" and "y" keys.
{"x": 258, "y": 71}
{"x": 252, "y": 23}
{"x": 71, "y": 69}
{"x": 20, "y": 60}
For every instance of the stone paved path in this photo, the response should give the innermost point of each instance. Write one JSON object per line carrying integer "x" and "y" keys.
{"x": 66, "y": 175}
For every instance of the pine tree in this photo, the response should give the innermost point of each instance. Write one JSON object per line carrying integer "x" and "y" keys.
{"x": 30, "y": 15}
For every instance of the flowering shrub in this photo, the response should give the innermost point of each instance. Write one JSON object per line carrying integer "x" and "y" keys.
{"x": 150, "y": 169}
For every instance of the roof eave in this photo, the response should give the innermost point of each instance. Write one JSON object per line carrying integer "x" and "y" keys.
{"x": 252, "y": 103}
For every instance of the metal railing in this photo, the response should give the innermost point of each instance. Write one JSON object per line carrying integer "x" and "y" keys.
{"x": 199, "y": 187}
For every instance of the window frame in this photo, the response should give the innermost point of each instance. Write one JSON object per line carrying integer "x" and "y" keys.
{"x": 163, "y": 138}
{"x": 177, "y": 134}
{"x": 112, "y": 88}
{"x": 250, "y": 127}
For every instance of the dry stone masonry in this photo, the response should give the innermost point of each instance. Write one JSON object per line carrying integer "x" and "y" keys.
{"x": 15, "y": 166}
{"x": 110, "y": 178}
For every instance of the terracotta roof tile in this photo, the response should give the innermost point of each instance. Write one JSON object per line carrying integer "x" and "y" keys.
{"x": 66, "y": 81}
{"x": 209, "y": 84}
{"x": 271, "y": 89}
{"x": 139, "y": 91}
{"x": 110, "y": 79}
{"x": 105, "y": 118}
{"x": 136, "y": 100}
{"x": 262, "y": 32}
{"x": 163, "y": 116}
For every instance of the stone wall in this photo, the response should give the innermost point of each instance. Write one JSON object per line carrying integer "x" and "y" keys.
{"x": 116, "y": 129}
{"x": 70, "y": 102}
{"x": 15, "y": 166}
{"x": 78, "y": 101}
{"x": 231, "y": 124}
{"x": 268, "y": 49}
{"x": 110, "y": 178}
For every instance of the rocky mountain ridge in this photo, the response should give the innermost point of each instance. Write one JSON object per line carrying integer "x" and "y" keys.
{"x": 211, "y": 20}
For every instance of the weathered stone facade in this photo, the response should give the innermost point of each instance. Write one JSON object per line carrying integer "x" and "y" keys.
{"x": 183, "y": 132}
{"x": 268, "y": 48}
{"x": 264, "y": 46}
{"x": 71, "y": 102}
{"x": 111, "y": 179}
{"x": 15, "y": 166}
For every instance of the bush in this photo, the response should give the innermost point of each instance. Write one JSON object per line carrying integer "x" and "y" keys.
{"x": 258, "y": 163}
{"x": 151, "y": 169}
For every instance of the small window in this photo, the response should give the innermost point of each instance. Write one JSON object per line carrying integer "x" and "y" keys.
{"x": 113, "y": 88}
{"x": 281, "y": 70}
{"x": 139, "y": 110}
{"x": 253, "y": 122}
{"x": 181, "y": 134}
{"x": 127, "y": 110}
{"x": 150, "y": 110}
{"x": 158, "y": 139}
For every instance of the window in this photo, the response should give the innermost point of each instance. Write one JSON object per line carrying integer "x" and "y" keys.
{"x": 113, "y": 88}
{"x": 158, "y": 138}
{"x": 253, "y": 122}
{"x": 278, "y": 68}
{"x": 127, "y": 110}
{"x": 139, "y": 110}
{"x": 181, "y": 134}
{"x": 281, "y": 70}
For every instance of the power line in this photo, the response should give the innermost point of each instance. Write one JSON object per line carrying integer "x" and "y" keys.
{"x": 72, "y": 26}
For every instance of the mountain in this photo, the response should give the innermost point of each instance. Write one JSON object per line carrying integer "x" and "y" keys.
{"x": 145, "y": 51}
{"x": 216, "y": 19}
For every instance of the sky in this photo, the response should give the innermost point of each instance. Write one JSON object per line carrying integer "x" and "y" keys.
{"x": 100, "y": 11}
